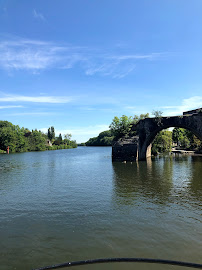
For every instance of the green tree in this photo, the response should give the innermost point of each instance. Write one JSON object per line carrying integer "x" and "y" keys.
{"x": 183, "y": 137}
{"x": 36, "y": 141}
{"x": 105, "y": 138}
{"x": 68, "y": 136}
{"x": 21, "y": 139}
{"x": 121, "y": 126}
{"x": 60, "y": 137}
{"x": 162, "y": 142}
{"x": 7, "y": 138}
{"x": 58, "y": 140}
{"x": 142, "y": 116}
{"x": 51, "y": 133}
{"x": 157, "y": 114}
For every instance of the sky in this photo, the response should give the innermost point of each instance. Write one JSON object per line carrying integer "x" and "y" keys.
{"x": 75, "y": 64}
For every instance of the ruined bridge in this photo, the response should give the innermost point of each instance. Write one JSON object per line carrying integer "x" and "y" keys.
{"x": 139, "y": 147}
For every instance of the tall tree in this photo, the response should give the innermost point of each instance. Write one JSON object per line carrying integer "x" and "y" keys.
{"x": 51, "y": 133}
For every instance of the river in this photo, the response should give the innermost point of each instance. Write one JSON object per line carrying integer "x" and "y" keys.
{"x": 75, "y": 204}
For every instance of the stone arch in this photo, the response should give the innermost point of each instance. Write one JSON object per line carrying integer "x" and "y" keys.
{"x": 148, "y": 128}
{"x": 149, "y": 140}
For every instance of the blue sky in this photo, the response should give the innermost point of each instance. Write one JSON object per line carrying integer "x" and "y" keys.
{"x": 76, "y": 64}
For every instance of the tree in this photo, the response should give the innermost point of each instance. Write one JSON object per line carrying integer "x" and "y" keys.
{"x": 36, "y": 141}
{"x": 162, "y": 142}
{"x": 177, "y": 134}
{"x": 105, "y": 138}
{"x": 51, "y": 133}
{"x": 121, "y": 126}
{"x": 182, "y": 137}
{"x": 157, "y": 114}
{"x": 22, "y": 139}
{"x": 60, "y": 137}
{"x": 68, "y": 136}
{"x": 58, "y": 140}
{"x": 140, "y": 117}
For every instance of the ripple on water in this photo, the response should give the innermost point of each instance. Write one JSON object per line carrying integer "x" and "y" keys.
{"x": 76, "y": 204}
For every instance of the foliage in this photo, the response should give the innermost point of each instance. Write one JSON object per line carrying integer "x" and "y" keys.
{"x": 118, "y": 128}
{"x": 12, "y": 136}
{"x": 58, "y": 140}
{"x": 81, "y": 144}
{"x": 51, "y": 133}
{"x": 162, "y": 142}
{"x": 121, "y": 126}
{"x": 36, "y": 142}
{"x": 186, "y": 139}
{"x": 105, "y": 138}
{"x": 157, "y": 114}
{"x": 68, "y": 136}
{"x": 22, "y": 140}
{"x": 142, "y": 116}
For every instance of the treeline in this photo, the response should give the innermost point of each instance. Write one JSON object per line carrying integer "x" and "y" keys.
{"x": 105, "y": 138}
{"x": 163, "y": 142}
{"x": 23, "y": 140}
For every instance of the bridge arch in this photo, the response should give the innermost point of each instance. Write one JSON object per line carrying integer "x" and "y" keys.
{"x": 148, "y": 128}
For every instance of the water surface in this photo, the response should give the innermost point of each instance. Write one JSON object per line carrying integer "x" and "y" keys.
{"x": 75, "y": 204}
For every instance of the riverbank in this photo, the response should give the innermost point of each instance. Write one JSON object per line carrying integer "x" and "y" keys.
{"x": 186, "y": 152}
{"x": 49, "y": 148}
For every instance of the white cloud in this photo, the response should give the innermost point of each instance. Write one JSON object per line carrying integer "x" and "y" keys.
{"x": 186, "y": 105}
{"x": 31, "y": 55}
{"x": 37, "y": 55}
{"x": 112, "y": 68}
{"x": 151, "y": 56}
{"x": 38, "y": 15}
{"x": 39, "y": 99}
{"x": 10, "y": 107}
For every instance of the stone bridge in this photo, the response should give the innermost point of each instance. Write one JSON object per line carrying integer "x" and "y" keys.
{"x": 139, "y": 146}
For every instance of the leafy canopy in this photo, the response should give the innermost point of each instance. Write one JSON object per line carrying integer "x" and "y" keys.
{"x": 121, "y": 126}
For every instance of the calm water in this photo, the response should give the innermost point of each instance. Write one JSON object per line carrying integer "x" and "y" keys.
{"x": 65, "y": 205}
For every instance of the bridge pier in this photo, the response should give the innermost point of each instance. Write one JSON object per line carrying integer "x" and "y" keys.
{"x": 125, "y": 149}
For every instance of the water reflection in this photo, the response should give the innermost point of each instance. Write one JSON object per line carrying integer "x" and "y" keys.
{"x": 195, "y": 185}
{"x": 160, "y": 180}
{"x": 72, "y": 205}
{"x": 148, "y": 180}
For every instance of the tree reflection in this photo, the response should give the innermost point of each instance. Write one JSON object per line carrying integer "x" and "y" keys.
{"x": 148, "y": 180}
{"x": 195, "y": 186}
{"x": 160, "y": 180}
